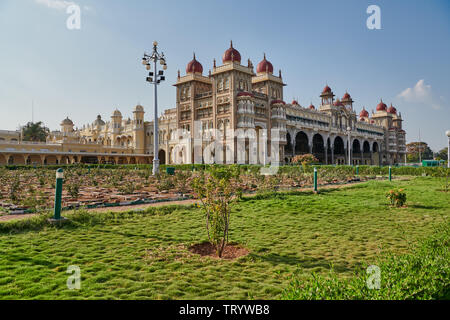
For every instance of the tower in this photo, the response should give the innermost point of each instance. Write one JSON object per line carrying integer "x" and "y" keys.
{"x": 193, "y": 102}
{"x": 138, "y": 129}
{"x": 116, "y": 121}
{"x": 66, "y": 126}
{"x": 327, "y": 96}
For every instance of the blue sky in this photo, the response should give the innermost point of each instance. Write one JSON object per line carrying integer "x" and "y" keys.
{"x": 82, "y": 73}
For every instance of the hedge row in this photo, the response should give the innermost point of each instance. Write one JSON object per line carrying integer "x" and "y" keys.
{"x": 350, "y": 170}
{"x": 422, "y": 274}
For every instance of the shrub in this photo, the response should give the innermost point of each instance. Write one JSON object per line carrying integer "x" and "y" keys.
{"x": 164, "y": 182}
{"x": 128, "y": 187}
{"x": 14, "y": 188}
{"x": 397, "y": 197}
{"x": 182, "y": 181}
{"x": 304, "y": 159}
{"x": 422, "y": 274}
{"x": 73, "y": 188}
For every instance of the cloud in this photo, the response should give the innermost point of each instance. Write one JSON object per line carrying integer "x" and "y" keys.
{"x": 420, "y": 93}
{"x": 55, "y": 4}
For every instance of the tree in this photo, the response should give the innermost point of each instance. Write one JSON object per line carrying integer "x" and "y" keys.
{"x": 442, "y": 154}
{"x": 217, "y": 190}
{"x": 34, "y": 131}
{"x": 413, "y": 148}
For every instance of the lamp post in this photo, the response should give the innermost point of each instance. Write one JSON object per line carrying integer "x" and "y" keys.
{"x": 349, "y": 130}
{"x": 315, "y": 179}
{"x": 155, "y": 78}
{"x": 448, "y": 149}
{"x": 58, "y": 194}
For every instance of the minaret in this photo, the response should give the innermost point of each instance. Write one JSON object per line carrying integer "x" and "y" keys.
{"x": 138, "y": 129}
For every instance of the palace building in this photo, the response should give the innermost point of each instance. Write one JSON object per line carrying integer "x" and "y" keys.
{"x": 231, "y": 98}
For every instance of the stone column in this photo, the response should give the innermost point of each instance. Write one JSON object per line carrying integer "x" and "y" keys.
{"x": 332, "y": 153}
{"x": 25, "y": 158}
{"x": 43, "y": 156}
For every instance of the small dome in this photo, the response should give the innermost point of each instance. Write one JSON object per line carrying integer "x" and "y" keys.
{"x": 264, "y": 66}
{"x": 99, "y": 121}
{"x": 338, "y": 103}
{"x": 117, "y": 113}
{"x": 327, "y": 89}
{"x": 364, "y": 113}
{"x": 139, "y": 108}
{"x": 231, "y": 54}
{"x": 67, "y": 122}
{"x": 392, "y": 109}
{"x": 312, "y": 107}
{"x": 381, "y": 106}
{"x": 194, "y": 66}
{"x": 346, "y": 96}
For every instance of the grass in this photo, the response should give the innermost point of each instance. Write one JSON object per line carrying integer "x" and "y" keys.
{"x": 144, "y": 256}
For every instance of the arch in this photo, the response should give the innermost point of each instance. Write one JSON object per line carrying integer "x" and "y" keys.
{"x": 339, "y": 146}
{"x": 51, "y": 159}
{"x": 318, "y": 148}
{"x": 301, "y": 143}
{"x": 366, "y": 147}
{"x": 375, "y": 147}
{"x": 356, "y": 146}
{"x": 162, "y": 156}
{"x": 328, "y": 151}
{"x": 35, "y": 159}
{"x": 288, "y": 148}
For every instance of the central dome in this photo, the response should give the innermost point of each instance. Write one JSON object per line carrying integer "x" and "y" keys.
{"x": 194, "y": 66}
{"x": 264, "y": 66}
{"x": 67, "y": 122}
{"x": 231, "y": 55}
{"x": 99, "y": 121}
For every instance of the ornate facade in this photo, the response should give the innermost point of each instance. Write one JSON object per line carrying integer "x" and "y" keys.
{"x": 230, "y": 99}
{"x": 233, "y": 97}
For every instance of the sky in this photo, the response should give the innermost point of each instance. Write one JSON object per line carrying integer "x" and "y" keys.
{"x": 93, "y": 70}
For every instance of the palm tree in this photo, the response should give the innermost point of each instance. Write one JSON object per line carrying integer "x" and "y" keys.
{"x": 34, "y": 132}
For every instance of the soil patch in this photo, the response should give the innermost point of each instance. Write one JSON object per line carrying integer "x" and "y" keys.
{"x": 231, "y": 251}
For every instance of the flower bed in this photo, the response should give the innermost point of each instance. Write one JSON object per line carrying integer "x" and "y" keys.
{"x": 27, "y": 189}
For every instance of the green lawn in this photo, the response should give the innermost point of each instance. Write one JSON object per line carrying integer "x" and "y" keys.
{"x": 144, "y": 256}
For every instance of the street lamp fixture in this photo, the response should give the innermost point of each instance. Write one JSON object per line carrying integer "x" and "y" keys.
{"x": 349, "y": 130}
{"x": 155, "y": 78}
